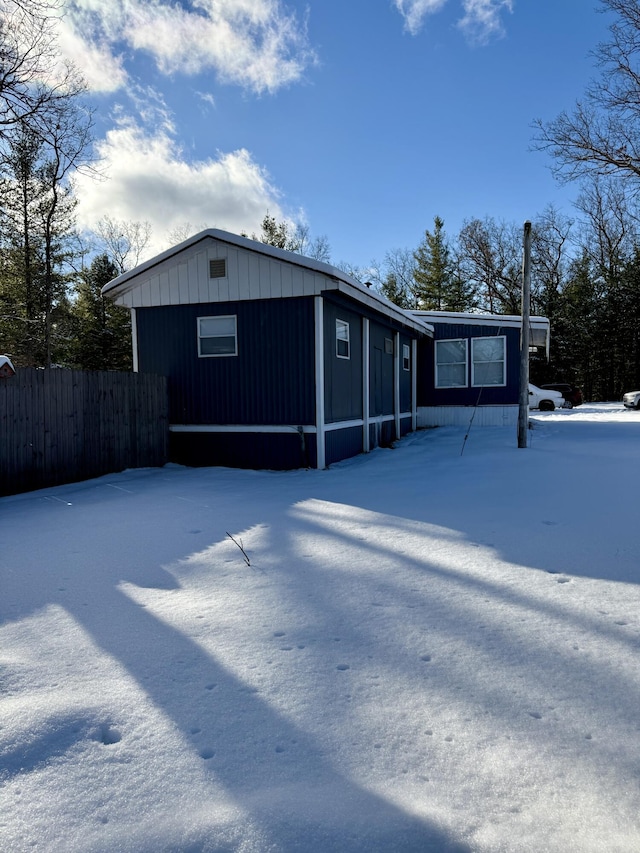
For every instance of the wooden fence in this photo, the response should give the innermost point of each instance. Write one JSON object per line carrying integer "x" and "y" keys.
{"x": 59, "y": 426}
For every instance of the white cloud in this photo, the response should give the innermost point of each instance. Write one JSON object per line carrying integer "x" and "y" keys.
{"x": 415, "y": 11}
{"x": 101, "y": 70}
{"x": 258, "y": 44}
{"x": 148, "y": 179}
{"x": 482, "y": 19}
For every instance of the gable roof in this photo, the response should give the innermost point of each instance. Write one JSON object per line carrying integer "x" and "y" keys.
{"x": 4, "y": 359}
{"x": 156, "y": 282}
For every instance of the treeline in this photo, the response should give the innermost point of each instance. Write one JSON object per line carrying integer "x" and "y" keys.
{"x": 585, "y": 277}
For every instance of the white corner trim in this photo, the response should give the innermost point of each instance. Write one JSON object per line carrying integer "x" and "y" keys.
{"x": 318, "y": 311}
{"x": 366, "y": 380}
{"x": 134, "y": 339}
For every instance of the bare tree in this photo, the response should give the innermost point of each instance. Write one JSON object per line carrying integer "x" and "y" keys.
{"x": 67, "y": 148}
{"x": 610, "y": 232}
{"x": 550, "y": 258}
{"x": 124, "y": 241}
{"x": 601, "y": 136}
{"x": 491, "y": 261}
{"x": 395, "y": 277}
{"x": 32, "y": 77}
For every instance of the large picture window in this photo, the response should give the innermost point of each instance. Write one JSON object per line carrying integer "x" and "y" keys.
{"x": 342, "y": 339}
{"x": 488, "y": 361}
{"x": 217, "y": 336}
{"x": 451, "y": 363}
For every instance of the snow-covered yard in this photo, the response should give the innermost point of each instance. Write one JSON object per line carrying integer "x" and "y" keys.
{"x": 426, "y": 650}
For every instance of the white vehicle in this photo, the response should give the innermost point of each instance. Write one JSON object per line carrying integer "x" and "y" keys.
{"x": 545, "y": 399}
{"x": 631, "y": 400}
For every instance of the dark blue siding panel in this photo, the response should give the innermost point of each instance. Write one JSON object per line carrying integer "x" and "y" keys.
{"x": 342, "y": 443}
{"x": 429, "y": 395}
{"x": 270, "y": 381}
{"x": 381, "y": 371}
{"x": 405, "y": 376}
{"x": 275, "y": 451}
{"x": 405, "y": 426}
{"x": 343, "y": 376}
{"x": 382, "y": 434}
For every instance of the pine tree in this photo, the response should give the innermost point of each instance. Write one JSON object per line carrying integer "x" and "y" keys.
{"x": 433, "y": 271}
{"x": 102, "y": 338}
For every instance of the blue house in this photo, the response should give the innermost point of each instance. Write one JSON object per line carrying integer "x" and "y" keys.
{"x": 273, "y": 360}
{"x": 472, "y": 366}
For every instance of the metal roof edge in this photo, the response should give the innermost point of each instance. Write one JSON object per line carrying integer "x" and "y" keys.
{"x": 477, "y": 319}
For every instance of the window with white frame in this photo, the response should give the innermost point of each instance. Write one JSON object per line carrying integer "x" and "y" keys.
{"x": 451, "y": 363}
{"x": 342, "y": 339}
{"x": 488, "y": 361}
{"x": 217, "y": 336}
{"x": 406, "y": 357}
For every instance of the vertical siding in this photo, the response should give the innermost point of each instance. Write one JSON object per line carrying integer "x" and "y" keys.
{"x": 270, "y": 381}
{"x": 343, "y": 443}
{"x": 381, "y": 371}
{"x": 277, "y": 452}
{"x": 343, "y": 377}
{"x": 429, "y": 395}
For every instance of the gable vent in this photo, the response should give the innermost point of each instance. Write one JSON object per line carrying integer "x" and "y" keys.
{"x": 218, "y": 268}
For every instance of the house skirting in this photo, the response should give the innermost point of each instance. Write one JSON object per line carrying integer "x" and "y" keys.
{"x": 432, "y": 416}
{"x": 280, "y": 447}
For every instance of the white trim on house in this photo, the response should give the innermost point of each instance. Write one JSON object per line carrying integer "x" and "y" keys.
{"x": 414, "y": 385}
{"x": 309, "y": 429}
{"x": 245, "y": 428}
{"x": 396, "y": 382}
{"x": 134, "y": 340}
{"x": 318, "y": 311}
{"x": 366, "y": 379}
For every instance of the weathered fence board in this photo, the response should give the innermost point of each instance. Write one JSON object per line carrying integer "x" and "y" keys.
{"x": 60, "y": 426}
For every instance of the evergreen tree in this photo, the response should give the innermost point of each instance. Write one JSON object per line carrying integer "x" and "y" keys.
{"x": 395, "y": 291}
{"x": 433, "y": 272}
{"x": 102, "y": 339}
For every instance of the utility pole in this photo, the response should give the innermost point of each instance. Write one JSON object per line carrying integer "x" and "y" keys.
{"x": 523, "y": 410}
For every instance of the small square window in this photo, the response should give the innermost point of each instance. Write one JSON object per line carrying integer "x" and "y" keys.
{"x": 217, "y": 336}
{"x": 342, "y": 339}
{"x": 388, "y": 346}
{"x": 406, "y": 357}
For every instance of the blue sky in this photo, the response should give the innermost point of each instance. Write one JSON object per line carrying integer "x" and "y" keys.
{"x": 362, "y": 118}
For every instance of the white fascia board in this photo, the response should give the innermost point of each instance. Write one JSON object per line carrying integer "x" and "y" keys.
{"x": 381, "y": 305}
{"x": 471, "y": 319}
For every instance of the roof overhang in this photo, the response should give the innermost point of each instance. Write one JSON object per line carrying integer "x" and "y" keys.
{"x": 335, "y": 279}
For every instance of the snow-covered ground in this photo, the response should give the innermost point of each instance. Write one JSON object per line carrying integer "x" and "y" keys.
{"x": 425, "y": 650}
